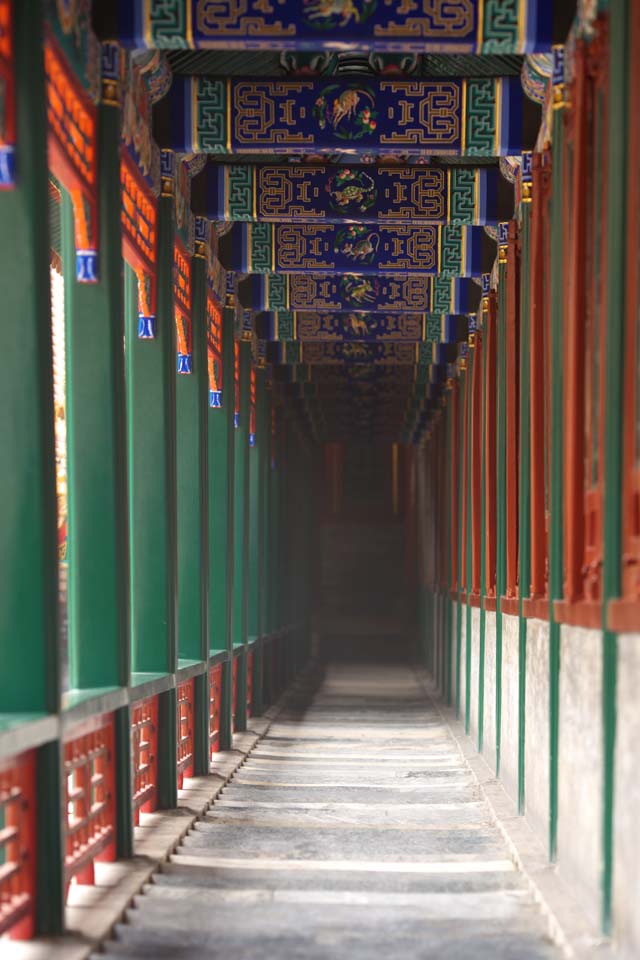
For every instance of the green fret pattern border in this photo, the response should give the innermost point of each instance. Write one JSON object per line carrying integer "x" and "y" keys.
{"x": 168, "y": 19}
{"x": 286, "y": 325}
{"x": 500, "y": 26}
{"x": 451, "y": 243}
{"x": 462, "y": 199}
{"x": 240, "y": 191}
{"x": 278, "y": 287}
{"x": 441, "y": 295}
{"x": 211, "y": 115}
{"x": 481, "y": 118}
{"x": 261, "y": 247}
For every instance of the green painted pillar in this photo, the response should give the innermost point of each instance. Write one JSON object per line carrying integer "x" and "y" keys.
{"x": 98, "y": 577}
{"x": 192, "y": 404}
{"x": 468, "y": 534}
{"x": 501, "y": 482}
{"x": 223, "y": 503}
{"x": 241, "y": 534}
{"x": 151, "y": 419}
{"x": 524, "y": 520}
{"x": 556, "y": 443}
{"x": 620, "y": 12}
{"x": 256, "y": 535}
{"x": 151, "y": 387}
{"x": 29, "y": 675}
{"x": 28, "y": 538}
{"x": 192, "y": 399}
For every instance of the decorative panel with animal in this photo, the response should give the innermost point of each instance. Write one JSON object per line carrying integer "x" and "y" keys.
{"x": 424, "y": 26}
{"x": 327, "y": 292}
{"x": 448, "y": 251}
{"x": 302, "y": 193}
{"x": 445, "y": 116}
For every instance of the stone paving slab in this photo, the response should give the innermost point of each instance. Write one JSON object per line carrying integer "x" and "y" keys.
{"x": 355, "y": 830}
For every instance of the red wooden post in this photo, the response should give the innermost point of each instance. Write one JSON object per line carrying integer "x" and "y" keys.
{"x": 490, "y": 465}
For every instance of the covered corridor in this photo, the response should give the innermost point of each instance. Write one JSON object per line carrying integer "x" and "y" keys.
{"x": 319, "y": 468}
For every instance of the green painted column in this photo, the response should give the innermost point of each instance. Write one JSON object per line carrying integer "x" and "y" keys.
{"x": 501, "y": 485}
{"x": 151, "y": 387}
{"x": 620, "y": 12}
{"x": 192, "y": 401}
{"x": 460, "y": 533}
{"x": 524, "y": 519}
{"x": 151, "y": 419}
{"x": 555, "y": 464}
{"x": 98, "y": 577}
{"x": 28, "y": 538}
{"x": 241, "y": 534}
{"x": 222, "y": 457}
{"x": 29, "y": 675}
{"x": 192, "y": 404}
{"x": 483, "y": 530}
{"x": 468, "y": 534}
{"x": 256, "y": 536}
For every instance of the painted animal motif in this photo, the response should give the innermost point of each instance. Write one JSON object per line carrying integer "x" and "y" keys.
{"x": 362, "y": 249}
{"x": 322, "y": 9}
{"x": 358, "y": 325}
{"x": 362, "y": 292}
{"x": 344, "y": 107}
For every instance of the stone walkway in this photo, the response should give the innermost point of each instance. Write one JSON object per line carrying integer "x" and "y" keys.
{"x": 354, "y": 830}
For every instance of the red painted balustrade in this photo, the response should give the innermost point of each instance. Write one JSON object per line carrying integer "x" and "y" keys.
{"x": 18, "y": 846}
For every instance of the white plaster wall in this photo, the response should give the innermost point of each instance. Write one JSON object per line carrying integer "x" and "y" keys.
{"x": 510, "y": 704}
{"x": 626, "y": 835}
{"x": 462, "y": 613}
{"x": 475, "y": 671}
{"x": 489, "y": 744}
{"x": 536, "y": 751}
{"x": 580, "y": 763}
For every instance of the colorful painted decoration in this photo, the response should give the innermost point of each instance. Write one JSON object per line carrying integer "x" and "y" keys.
{"x": 8, "y": 98}
{"x": 301, "y": 193}
{"x": 345, "y": 352}
{"x": 138, "y": 220}
{"x": 465, "y": 117}
{"x": 430, "y": 26}
{"x": 345, "y": 293}
{"x": 182, "y": 306}
{"x": 367, "y": 248}
{"x": 307, "y": 325}
{"x": 72, "y": 148}
{"x": 214, "y": 350}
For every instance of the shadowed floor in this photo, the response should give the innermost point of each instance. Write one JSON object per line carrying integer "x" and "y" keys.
{"x": 354, "y": 830}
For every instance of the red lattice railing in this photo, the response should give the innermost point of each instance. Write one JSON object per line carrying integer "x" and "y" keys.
{"x": 89, "y": 767}
{"x": 234, "y": 693}
{"x": 185, "y": 730}
{"x": 249, "y": 683}
{"x": 18, "y": 846}
{"x": 215, "y": 703}
{"x": 144, "y": 755}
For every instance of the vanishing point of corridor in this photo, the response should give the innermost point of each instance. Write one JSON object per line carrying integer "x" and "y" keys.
{"x": 355, "y": 829}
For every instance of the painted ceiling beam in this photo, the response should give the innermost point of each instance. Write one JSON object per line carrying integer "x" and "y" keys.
{"x": 351, "y": 293}
{"x": 444, "y": 26}
{"x": 446, "y": 116}
{"x": 293, "y": 352}
{"x": 449, "y": 251}
{"x": 300, "y": 193}
{"x": 310, "y": 326}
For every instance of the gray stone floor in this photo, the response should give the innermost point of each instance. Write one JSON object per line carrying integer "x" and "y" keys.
{"x": 355, "y": 830}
